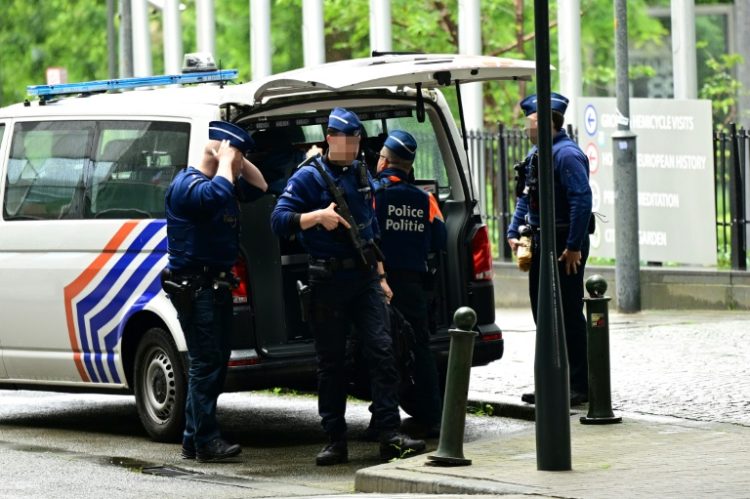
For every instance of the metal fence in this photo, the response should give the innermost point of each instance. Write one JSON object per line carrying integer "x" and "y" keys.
{"x": 492, "y": 155}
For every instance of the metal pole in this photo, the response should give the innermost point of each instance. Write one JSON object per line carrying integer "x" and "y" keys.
{"x": 450, "y": 448}
{"x": 684, "y": 68}
{"x": 141, "y": 39}
{"x": 126, "y": 39}
{"x": 569, "y": 52}
{"x": 597, "y": 331}
{"x": 172, "y": 37}
{"x": 627, "y": 252}
{"x": 737, "y": 203}
{"x": 260, "y": 38}
{"x": 505, "y": 213}
{"x": 470, "y": 43}
{"x": 206, "y": 27}
{"x": 111, "y": 41}
{"x": 742, "y": 42}
{"x": 380, "y": 26}
{"x": 313, "y": 34}
{"x": 551, "y": 355}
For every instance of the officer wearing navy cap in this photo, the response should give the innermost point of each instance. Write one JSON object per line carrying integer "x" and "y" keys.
{"x": 572, "y": 217}
{"x": 348, "y": 285}
{"x": 203, "y": 222}
{"x": 412, "y": 226}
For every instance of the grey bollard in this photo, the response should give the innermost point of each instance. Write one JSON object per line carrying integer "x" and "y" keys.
{"x": 597, "y": 320}
{"x": 450, "y": 448}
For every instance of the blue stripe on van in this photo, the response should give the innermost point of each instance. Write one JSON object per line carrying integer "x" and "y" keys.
{"x": 102, "y": 317}
{"x": 112, "y": 338}
{"x": 95, "y": 369}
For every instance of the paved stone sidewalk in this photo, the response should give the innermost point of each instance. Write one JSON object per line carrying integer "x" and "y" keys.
{"x": 642, "y": 457}
{"x": 689, "y": 364}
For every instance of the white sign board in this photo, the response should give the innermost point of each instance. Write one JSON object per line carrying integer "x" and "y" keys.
{"x": 676, "y": 206}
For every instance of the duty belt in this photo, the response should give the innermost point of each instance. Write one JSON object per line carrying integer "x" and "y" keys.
{"x": 337, "y": 264}
{"x": 558, "y": 227}
{"x": 206, "y": 277}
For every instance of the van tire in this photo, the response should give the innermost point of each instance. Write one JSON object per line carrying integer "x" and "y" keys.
{"x": 160, "y": 386}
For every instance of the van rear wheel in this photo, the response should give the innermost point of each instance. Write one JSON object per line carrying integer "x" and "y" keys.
{"x": 160, "y": 386}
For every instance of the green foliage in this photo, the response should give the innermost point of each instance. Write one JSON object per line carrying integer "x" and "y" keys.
{"x": 481, "y": 409}
{"x": 721, "y": 87}
{"x": 36, "y": 34}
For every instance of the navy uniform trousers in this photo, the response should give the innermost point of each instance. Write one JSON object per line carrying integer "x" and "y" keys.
{"x": 410, "y": 298}
{"x": 208, "y": 329}
{"x": 571, "y": 291}
{"x": 336, "y": 304}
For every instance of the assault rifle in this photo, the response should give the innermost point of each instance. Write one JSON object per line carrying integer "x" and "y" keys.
{"x": 342, "y": 208}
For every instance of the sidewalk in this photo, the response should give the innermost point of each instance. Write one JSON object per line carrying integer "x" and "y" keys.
{"x": 646, "y": 455}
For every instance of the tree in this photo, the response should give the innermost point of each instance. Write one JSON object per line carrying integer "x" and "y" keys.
{"x": 36, "y": 34}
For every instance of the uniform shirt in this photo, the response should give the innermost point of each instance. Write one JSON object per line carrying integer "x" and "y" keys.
{"x": 308, "y": 191}
{"x": 572, "y": 192}
{"x": 203, "y": 220}
{"x": 410, "y": 221}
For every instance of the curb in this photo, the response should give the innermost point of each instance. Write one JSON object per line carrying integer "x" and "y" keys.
{"x": 503, "y": 409}
{"x": 507, "y": 407}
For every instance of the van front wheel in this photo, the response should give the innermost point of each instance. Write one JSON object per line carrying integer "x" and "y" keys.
{"x": 160, "y": 386}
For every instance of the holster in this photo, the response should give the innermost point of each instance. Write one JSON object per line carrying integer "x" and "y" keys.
{"x": 592, "y": 224}
{"x": 304, "y": 294}
{"x": 180, "y": 291}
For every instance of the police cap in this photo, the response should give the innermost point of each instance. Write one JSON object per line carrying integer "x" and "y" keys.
{"x": 402, "y": 144}
{"x": 344, "y": 121}
{"x": 237, "y": 137}
{"x": 558, "y": 103}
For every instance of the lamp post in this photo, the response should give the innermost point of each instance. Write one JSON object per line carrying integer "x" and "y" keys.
{"x": 551, "y": 354}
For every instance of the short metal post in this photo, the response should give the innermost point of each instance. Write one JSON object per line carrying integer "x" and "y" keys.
{"x": 450, "y": 448}
{"x": 597, "y": 318}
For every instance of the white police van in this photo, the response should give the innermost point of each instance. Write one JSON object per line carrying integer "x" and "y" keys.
{"x": 83, "y": 236}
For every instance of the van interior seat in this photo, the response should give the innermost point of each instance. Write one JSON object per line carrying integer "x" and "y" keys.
{"x": 124, "y": 186}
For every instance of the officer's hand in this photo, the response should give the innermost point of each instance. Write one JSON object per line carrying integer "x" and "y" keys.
{"x": 313, "y": 151}
{"x": 513, "y": 242}
{"x": 572, "y": 260}
{"x": 329, "y": 219}
{"x": 387, "y": 290}
{"x": 228, "y": 158}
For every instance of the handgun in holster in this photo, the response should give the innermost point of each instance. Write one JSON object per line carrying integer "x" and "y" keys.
{"x": 304, "y": 293}
{"x": 181, "y": 292}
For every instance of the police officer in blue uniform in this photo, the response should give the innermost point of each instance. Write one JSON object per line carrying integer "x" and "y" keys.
{"x": 412, "y": 226}
{"x": 572, "y": 217}
{"x": 348, "y": 285}
{"x": 203, "y": 223}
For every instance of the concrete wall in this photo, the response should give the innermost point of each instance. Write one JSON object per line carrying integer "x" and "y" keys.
{"x": 661, "y": 288}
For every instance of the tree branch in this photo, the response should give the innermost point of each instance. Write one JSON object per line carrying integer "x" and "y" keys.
{"x": 518, "y": 44}
{"x": 446, "y": 22}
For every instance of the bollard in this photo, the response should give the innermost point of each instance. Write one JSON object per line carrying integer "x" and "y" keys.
{"x": 597, "y": 319}
{"x": 450, "y": 448}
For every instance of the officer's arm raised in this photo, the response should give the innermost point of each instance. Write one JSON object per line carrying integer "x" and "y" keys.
{"x": 253, "y": 175}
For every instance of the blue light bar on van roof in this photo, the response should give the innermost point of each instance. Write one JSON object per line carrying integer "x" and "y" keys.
{"x": 46, "y": 91}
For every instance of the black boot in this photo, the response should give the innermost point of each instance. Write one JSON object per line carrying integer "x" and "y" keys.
{"x": 397, "y": 445}
{"x": 333, "y": 453}
{"x": 217, "y": 450}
